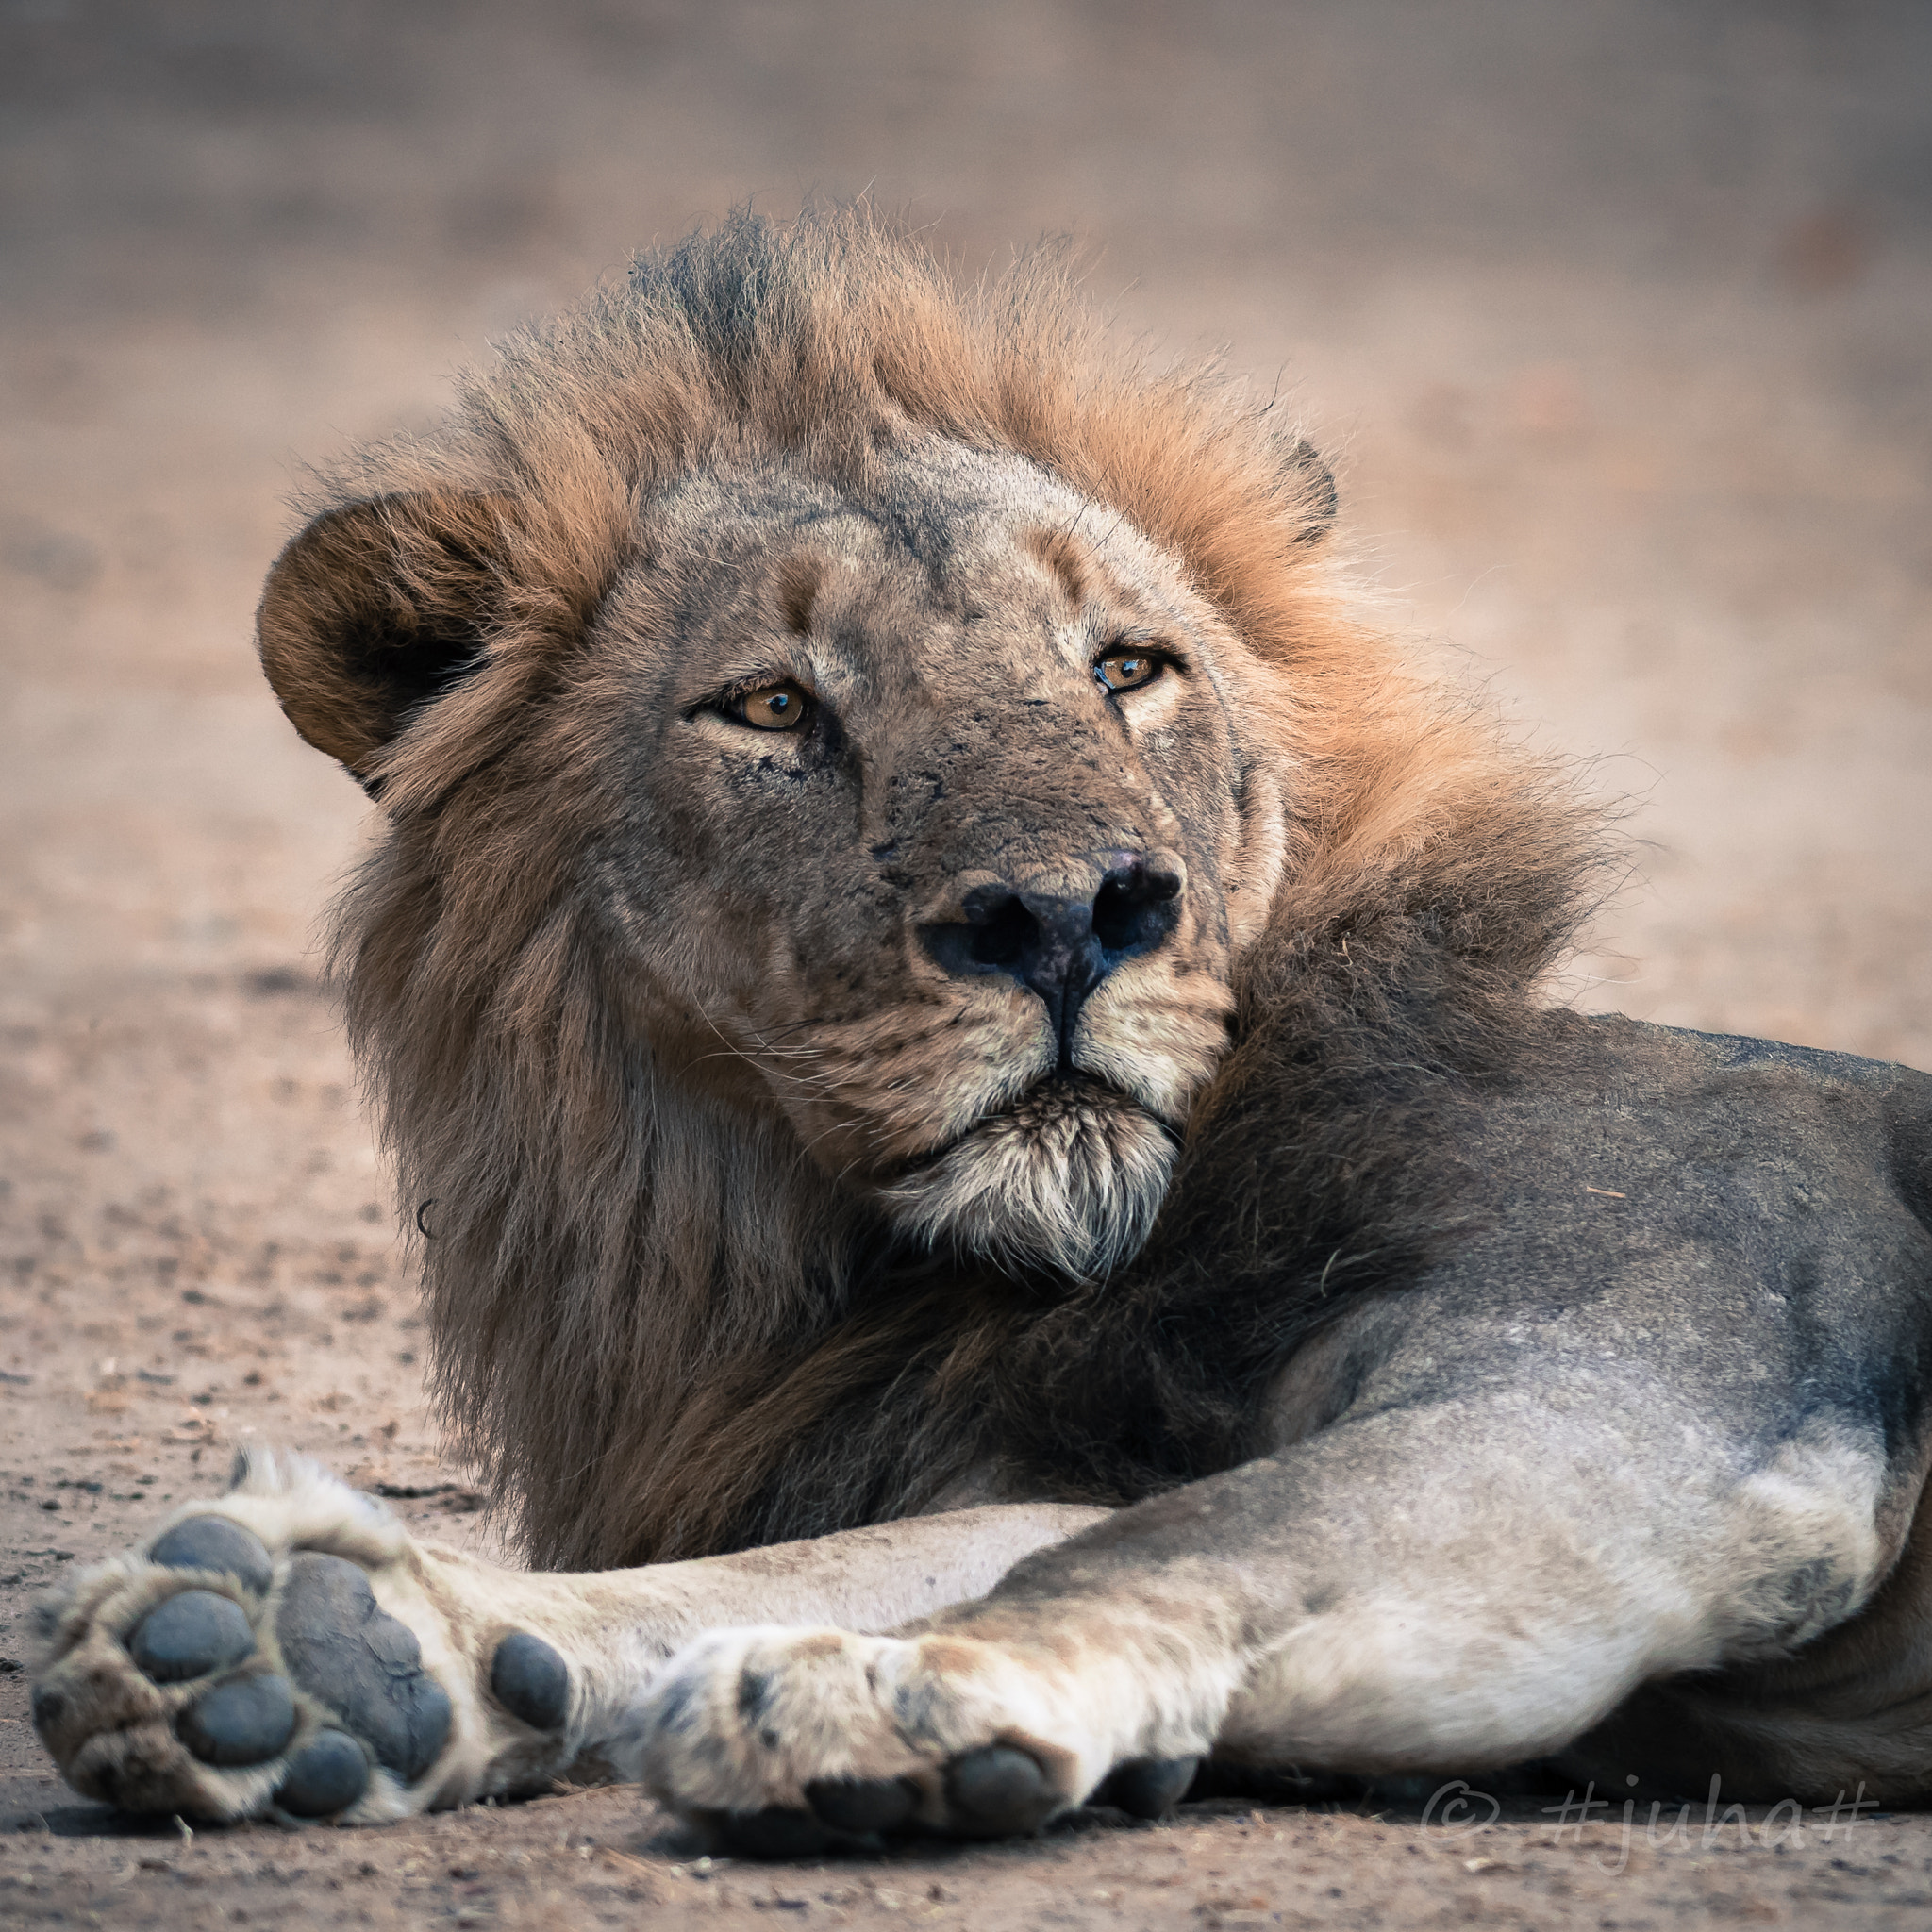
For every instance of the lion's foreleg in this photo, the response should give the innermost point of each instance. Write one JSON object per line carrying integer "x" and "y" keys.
{"x": 1446, "y": 1586}
{"x": 615, "y": 1630}
{"x": 290, "y": 1649}
{"x": 1458, "y": 1584}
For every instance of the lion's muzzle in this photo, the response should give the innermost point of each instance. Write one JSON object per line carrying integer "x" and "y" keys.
{"x": 1057, "y": 944}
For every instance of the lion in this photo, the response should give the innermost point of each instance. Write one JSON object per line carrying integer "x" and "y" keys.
{"x": 1006, "y": 1197}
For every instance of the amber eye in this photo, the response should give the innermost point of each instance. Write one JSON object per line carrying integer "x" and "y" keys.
{"x": 1128, "y": 670}
{"x": 770, "y": 707}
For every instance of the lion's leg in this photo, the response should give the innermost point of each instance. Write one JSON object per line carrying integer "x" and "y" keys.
{"x": 289, "y": 1648}
{"x": 1421, "y": 1588}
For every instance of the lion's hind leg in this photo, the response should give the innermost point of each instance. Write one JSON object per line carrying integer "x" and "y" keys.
{"x": 289, "y": 1649}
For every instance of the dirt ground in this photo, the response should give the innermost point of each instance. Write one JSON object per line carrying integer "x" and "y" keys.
{"x": 1615, "y": 318}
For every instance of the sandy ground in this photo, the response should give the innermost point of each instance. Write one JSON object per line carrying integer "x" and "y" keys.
{"x": 1615, "y": 319}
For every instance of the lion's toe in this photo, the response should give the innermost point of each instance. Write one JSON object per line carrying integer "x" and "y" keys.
{"x": 191, "y": 1634}
{"x": 998, "y": 1792}
{"x": 245, "y": 1721}
{"x": 1147, "y": 1787}
{"x": 215, "y": 1542}
{"x": 530, "y": 1679}
{"x": 325, "y": 1777}
{"x": 776, "y": 1831}
{"x": 862, "y": 1805}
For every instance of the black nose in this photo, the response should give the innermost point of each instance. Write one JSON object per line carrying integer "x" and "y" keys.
{"x": 1061, "y": 948}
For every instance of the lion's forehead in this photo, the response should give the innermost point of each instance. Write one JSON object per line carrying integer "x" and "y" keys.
{"x": 933, "y": 538}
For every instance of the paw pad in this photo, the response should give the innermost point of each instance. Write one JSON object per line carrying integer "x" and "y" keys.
{"x": 862, "y": 1804}
{"x": 336, "y": 1638}
{"x": 531, "y": 1681}
{"x": 327, "y": 1776}
{"x": 190, "y": 1635}
{"x": 213, "y": 1543}
{"x": 246, "y": 1721}
{"x": 776, "y": 1832}
{"x": 998, "y": 1792}
{"x": 1148, "y": 1787}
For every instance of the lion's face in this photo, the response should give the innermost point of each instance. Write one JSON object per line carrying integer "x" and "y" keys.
{"x": 923, "y": 813}
{"x": 927, "y": 823}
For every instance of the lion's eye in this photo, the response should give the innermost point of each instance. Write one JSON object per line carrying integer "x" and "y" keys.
{"x": 770, "y": 707}
{"x": 1128, "y": 670}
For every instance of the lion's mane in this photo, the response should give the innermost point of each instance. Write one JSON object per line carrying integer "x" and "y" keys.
{"x": 657, "y": 1329}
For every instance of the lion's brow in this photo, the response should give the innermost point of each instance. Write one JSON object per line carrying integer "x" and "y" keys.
{"x": 1062, "y": 553}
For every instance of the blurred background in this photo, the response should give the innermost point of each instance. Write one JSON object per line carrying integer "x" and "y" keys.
{"x": 1614, "y": 315}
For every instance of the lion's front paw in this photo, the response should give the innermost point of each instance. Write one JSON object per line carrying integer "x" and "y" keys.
{"x": 789, "y": 1742}
{"x": 245, "y": 1664}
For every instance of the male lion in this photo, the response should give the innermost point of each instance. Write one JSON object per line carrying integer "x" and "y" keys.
{"x": 943, "y": 994}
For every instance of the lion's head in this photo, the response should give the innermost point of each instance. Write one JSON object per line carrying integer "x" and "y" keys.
{"x": 839, "y": 736}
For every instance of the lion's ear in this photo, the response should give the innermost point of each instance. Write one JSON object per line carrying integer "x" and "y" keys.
{"x": 377, "y": 609}
{"x": 1309, "y": 470}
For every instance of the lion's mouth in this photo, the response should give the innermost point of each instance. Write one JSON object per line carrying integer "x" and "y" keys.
{"x": 1062, "y": 1100}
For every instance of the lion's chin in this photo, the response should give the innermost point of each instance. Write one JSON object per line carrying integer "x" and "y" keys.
{"x": 1070, "y": 1177}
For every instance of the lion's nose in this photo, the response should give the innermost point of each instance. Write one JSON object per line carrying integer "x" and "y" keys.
{"x": 1063, "y": 948}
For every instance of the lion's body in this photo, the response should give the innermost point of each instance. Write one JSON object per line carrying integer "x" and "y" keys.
{"x": 926, "y": 953}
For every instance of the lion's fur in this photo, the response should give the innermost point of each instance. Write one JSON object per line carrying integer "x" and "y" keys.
{"x": 1321, "y": 1168}
{"x": 660, "y": 1331}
